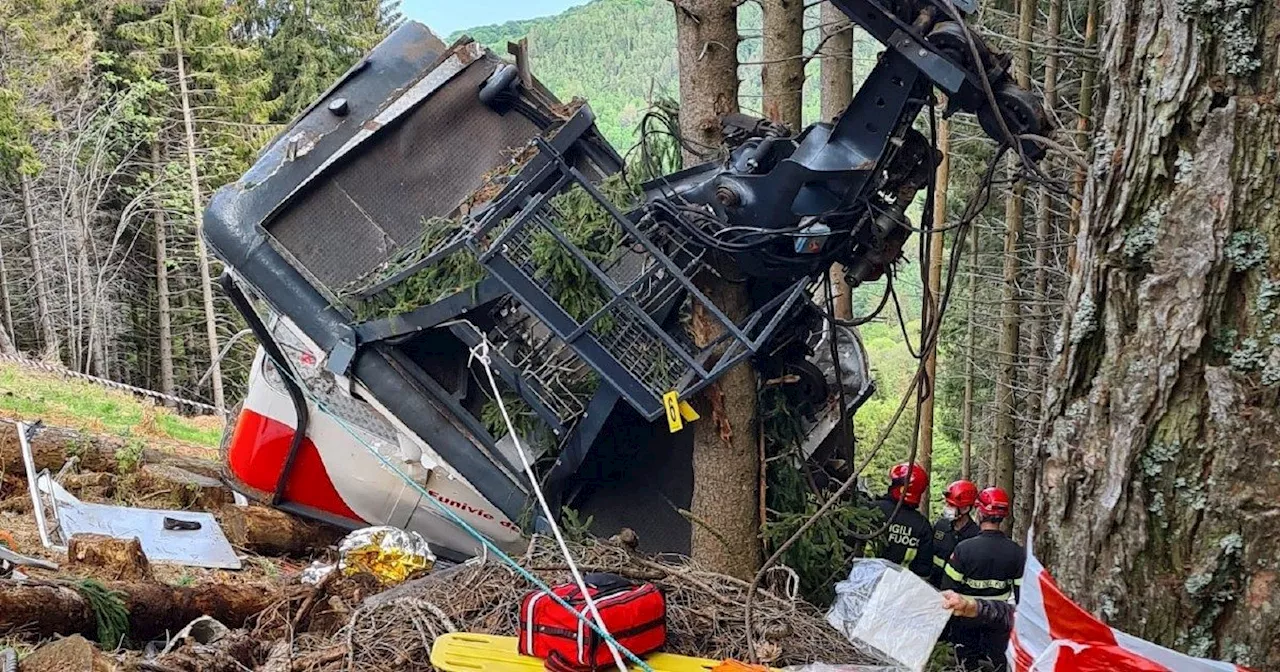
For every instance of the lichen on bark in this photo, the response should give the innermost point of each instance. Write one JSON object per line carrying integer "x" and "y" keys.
{"x": 1158, "y": 498}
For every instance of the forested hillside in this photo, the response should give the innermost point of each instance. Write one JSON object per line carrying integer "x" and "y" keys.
{"x": 620, "y": 55}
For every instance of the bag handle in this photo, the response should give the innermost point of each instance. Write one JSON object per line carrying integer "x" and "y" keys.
{"x": 556, "y": 662}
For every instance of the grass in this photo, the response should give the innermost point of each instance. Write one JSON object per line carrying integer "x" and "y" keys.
{"x": 84, "y": 406}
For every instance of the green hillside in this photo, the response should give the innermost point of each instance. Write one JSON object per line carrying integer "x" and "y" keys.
{"x": 620, "y": 54}
{"x": 615, "y": 53}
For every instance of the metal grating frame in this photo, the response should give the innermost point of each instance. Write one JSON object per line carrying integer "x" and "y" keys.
{"x": 620, "y": 340}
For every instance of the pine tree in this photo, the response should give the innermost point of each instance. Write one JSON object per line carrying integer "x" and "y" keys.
{"x": 726, "y": 468}
{"x": 1157, "y": 500}
{"x": 216, "y": 93}
{"x": 306, "y": 46}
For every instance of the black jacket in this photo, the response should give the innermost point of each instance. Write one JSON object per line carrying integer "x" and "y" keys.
{"x": 988, "y": 566}
{"x": 945, "y": 539}
{"x": 909, "y": 539}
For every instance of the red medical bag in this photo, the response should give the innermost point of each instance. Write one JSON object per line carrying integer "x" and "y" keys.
{"x": 634, "y": 614}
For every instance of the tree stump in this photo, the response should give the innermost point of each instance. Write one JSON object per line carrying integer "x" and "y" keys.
{"x": 107, "y": 558}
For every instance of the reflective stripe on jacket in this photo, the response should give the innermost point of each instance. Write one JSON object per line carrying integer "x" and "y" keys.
{"x": 988, "y": 566}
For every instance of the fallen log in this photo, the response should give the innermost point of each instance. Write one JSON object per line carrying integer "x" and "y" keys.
{"x": 186, "y": 489}
{"x": 109, "y": 558}
{"x": 53, "y": 446}
{"x": 38, "y": 609}
{"x": 270, "y": 531}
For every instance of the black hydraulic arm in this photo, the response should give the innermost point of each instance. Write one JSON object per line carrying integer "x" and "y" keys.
{"x": 835, "y": 181}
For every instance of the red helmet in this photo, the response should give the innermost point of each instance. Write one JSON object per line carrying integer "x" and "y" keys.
{"x": 961, "y": 494}
{"x": 915, "y": 486}
{"x": 993, "y": 503}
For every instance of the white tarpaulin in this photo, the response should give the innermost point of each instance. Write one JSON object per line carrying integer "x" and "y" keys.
{"x": 889, "y": 612}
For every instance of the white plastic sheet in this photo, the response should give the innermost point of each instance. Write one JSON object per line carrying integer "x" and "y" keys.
{"x": 889, "y": 613}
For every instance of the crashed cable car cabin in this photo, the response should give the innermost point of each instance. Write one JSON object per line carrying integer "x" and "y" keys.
{"x": 438, "y": 203}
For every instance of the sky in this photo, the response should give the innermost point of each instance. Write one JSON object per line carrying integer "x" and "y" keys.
{"x": 447, "y": 16}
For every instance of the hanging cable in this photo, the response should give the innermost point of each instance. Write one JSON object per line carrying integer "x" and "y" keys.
{"x": 480, "y": 353}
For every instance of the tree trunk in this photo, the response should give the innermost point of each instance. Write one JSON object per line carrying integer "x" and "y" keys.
{"x": 52, "y": 447}
{"x": 107, "y": 558}
{"x": 782, "y": 75}
{"x": 206, "y": 280}
{"x": 1042, "y": 323}
{"x": 47, "y": 609}
{"x": 929, "y": 386}
{"x": 1083, "y": 123}
{"x": 707, "y": 44}
{"x": 164, "y": 318}
{"x": 49, "y": 337}
{"x": 971, "y": 353}
{"x": 726, "y": 466}
{"x": 10, "y": 346}
{"x": 273, "y": 532}
{"x": 1006, "y": 435}
{"x": 1158, "y": 497}
{"x": 837, "y": 91}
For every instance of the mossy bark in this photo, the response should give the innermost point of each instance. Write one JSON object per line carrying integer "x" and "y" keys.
{"x": 1158, "y": 498}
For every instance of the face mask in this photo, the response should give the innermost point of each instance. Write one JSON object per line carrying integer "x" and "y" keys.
{"x": 949, "y": 512}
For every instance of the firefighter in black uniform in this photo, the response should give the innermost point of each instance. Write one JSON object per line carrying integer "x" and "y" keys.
{"x": 908, "y": 539}
{"x": 955, "y": 525}
{"x": 988, "y": 567}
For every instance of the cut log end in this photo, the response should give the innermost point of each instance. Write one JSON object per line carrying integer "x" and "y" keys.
{"x": 108, "y": 558}
{"x": 273, "y": 532}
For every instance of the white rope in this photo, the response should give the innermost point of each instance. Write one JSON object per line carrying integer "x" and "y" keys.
{"x": 481, "y": 354}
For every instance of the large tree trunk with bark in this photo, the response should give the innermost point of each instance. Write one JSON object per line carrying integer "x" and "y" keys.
{"x": 782, "y": 75}
{"x": 1159, "y": 493}
{"x": 837, "y": 91}
{"x": 43, "y": 609}
{"x": 273, "y": 532}
{"x": 52, "y": 447}
{"x": 726, "y": 467}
